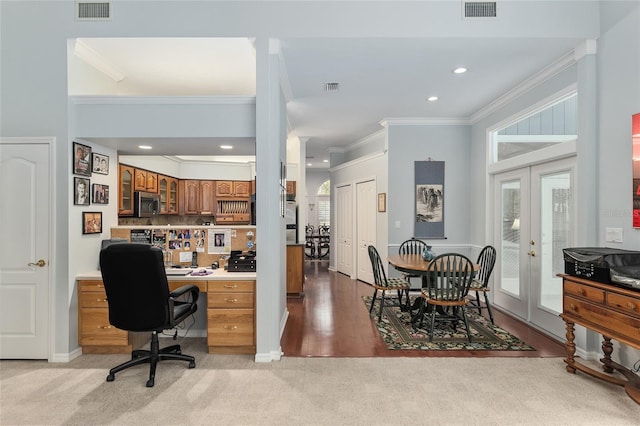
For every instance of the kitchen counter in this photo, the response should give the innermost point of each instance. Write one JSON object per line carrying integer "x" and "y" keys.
{"x": 217, "y": 274}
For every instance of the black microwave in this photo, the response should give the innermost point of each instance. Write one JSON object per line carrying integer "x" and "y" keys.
{"x": 146, "y": 204}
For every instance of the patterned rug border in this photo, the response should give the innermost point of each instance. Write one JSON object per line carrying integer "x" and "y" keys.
{"x": 398, "y": 334}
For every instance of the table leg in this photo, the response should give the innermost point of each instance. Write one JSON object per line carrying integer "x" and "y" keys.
{"x": 607, "y": 349}
{"x": 570, "y": 347}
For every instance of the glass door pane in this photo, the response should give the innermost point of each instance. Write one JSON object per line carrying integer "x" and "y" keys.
{"x": 510, "y": 239}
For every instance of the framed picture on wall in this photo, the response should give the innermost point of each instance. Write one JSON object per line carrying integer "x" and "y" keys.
{"x": 81, "y": 159}
{"x": 100, "y": 194}
{"x": 100, "y": 164}
{"x": 91, "y": 222}
{"x": 81, "y": 195}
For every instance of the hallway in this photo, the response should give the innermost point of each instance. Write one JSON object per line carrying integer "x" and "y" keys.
{"x": 331, "y": 320}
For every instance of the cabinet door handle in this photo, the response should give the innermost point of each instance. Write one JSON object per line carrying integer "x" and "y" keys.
{"x": 631, "y": 306}
{"x": 231, "y": 300}
{"x": 573, "y": 307}
{"x": 581, "y": 291}
{"x": 230, "y": 327}
{"x": 101, "y": 300}
{"x": 230, "y": 286}
{"x": 104, "y": 327}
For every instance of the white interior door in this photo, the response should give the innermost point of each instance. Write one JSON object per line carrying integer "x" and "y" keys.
{"x": 24, "y": 253}
{"x": 535, "y": 221}
{"x": 366, "y": 205}
{"x": 344, "y": 229}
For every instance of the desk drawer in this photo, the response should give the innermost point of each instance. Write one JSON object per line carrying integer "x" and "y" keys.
{"x": 624, "y": 303}
{"x": 230, "y": 327}
{"x": 93, "y": 300}
{"x": 624, "y": 325}
{"x": 91, "y": 285}
{"x": 591, "y": 293}
{"x": 230, "y": 300}
{"x": 174, "y": 284}
{"x": 230, "y": 286}
{"x": 96, "y": 330}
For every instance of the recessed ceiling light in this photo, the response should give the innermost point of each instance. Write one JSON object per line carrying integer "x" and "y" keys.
{"x": 325, "y": 161}
{"x": 309, "y": 164}
{"x": 144, "y": 147}
{"x": 460, "y": 70}
{"x": 432, "y": 98}
{"x": 226, "y": 147}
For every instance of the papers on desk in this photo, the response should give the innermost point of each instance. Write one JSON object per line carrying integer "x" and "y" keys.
{"x": 181, "y": 272}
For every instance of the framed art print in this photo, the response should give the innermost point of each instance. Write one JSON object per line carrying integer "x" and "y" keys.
{"x": 81, "y": 159}
{"x": 100, "y": 194}
{"x": 100, "y": 164}
{"x": 91, "y": 222}
{"x": 81, "y": 195}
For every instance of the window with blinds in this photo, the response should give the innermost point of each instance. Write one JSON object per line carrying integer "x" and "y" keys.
{"x": 324, "y": 209}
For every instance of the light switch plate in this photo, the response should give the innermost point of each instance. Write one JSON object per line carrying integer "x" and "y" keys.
{"x": 613, "y": 235}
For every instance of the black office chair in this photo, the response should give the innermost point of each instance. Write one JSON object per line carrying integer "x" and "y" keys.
{"x": 139, "y": 300}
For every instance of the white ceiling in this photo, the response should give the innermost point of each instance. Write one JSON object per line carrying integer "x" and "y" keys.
{"x": 380, "y": 78}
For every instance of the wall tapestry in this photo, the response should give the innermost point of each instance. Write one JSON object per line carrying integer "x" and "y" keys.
{"x": 429, "y": 200}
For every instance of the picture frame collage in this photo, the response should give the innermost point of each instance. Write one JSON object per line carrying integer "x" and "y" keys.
{"x": 85, "y": 162}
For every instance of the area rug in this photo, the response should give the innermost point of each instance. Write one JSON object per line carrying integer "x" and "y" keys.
{"x": 397, "y": 332}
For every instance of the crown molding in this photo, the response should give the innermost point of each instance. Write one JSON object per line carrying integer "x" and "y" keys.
{"x": 96, "y": 60}
{"x": 357, "y": 161}
{"x": 163, "y": 100}
{"x": 365, "y": 140}
{"x": 546, "y": 73}
{"x": 418, "y": 121}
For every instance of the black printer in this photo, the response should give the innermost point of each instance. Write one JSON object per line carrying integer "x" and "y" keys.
{"x": 604, "y": 264}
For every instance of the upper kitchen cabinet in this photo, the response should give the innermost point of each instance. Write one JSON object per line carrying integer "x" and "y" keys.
{"x": 125, "y": 193}
{"x": 197, "y": 197}
{"x": 233, "y": 189}
{"x": 146, "y": 181}
{"x": 168, "y": 190}
{"x": 291, "y": 187}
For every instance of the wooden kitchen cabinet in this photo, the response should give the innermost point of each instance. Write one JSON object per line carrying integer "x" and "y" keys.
{"x": 291, "y": 187}
{"x": 295, "y": 269}
{"x": 233, "y": 189}
{"x": 231, "y": 327}
{"x": 197, "y": 197}
{"x": 145, "y": 181}
{"x": 125, "y": 192}
{"x": 168, "y": 191}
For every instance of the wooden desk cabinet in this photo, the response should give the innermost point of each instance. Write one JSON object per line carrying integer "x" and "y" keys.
{"x": 613, "y": 312}
{"x": 230, "y": 318}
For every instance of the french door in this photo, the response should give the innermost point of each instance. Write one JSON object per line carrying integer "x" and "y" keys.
{"x": 534, "y": 221}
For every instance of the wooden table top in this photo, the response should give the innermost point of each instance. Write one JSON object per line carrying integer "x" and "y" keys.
{"x": 413, "y": 263}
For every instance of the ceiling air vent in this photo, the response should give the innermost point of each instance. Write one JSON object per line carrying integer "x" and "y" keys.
{"x": 331, "y": 87}
{"x": 480, "y": 9}
{"x": 93, "y": 11}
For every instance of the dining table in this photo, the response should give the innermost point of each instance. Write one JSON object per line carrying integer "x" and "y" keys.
{"x": 415, "y": 264}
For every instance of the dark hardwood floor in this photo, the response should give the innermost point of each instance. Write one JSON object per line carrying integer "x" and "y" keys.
{"x": 331, "y": 320}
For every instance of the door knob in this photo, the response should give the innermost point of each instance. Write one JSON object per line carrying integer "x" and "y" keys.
{"x": 39, "y": 263}
{"x": 532, "y": 253}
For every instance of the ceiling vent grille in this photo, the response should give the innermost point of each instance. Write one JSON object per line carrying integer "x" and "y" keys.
{"x": 93, "y": 11}
{"x": 480, "y": 9}
{"x": 331, "y": 87}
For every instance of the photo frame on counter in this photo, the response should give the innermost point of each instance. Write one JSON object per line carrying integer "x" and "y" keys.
{"x": 100, "y": 194}
{"x": 81, "y": 159}
{"x": 81, "y": 194}
{"x": 92, "y": 222}
{"x": 100, "y": 163}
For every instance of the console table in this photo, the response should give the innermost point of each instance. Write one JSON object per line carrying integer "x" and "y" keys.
{"x": 612, "y": 311}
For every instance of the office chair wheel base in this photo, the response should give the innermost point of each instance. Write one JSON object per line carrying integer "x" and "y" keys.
{"x": 192, "y": 364}
{"x": 111, "y": 377}
{"x": 150, "y": 383}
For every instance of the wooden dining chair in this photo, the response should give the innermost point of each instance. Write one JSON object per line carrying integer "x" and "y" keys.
{"x": 480, "y": 283}
{"x": 412, "y": 246}
{"x": 383, "y": 283}
{"x": 445, "y": 296}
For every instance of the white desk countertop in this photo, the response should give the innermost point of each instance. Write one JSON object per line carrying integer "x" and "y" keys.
{"x": 217, "y": 274}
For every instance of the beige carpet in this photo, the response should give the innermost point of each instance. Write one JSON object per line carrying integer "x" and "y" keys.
{"x": 233, "y": 390}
